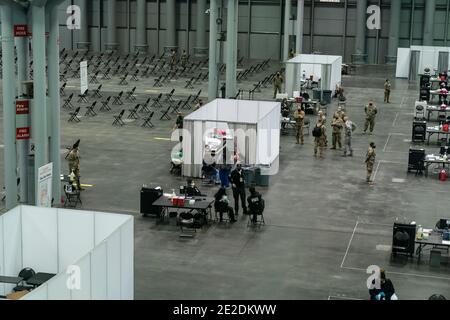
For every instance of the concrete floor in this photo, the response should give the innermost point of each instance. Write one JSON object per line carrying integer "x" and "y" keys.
{"x": 324, "y": 224}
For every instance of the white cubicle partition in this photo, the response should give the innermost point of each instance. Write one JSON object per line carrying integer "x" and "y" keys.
{"x": 428, "y": 58}
{"x": 92, "y": 253}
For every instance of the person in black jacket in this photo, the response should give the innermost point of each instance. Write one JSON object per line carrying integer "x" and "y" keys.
{"x": 221, "y": 204}
{"x": 238, "y": 186}
{"x": 386, "y": 290}
{"x": 192, "y": 190}
{"x": 255, "y": 204}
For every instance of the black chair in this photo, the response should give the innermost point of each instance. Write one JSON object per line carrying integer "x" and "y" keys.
{"x": 62, "y": 89}
{"x": 74, "y": 115}
{"x": 90, "y": 110}
{"x": 189, "y": 83}
{"x": 94, "y": 77}
{"x": 258, "y": 210}
{"x": 118, "y": 119}
{"x": 134, "y": 112}
{"x": 26, "y": 274}
{"x": 123, "y": 80}
{"x": 169, "y": 96}
{"x": 105, "y": 104}
{"x": 157, "y": 101}
{"x": 186, "y": 221}
{"x": 196, "y": 98}
{"x": 165, "y": 113}
{"x": 118, "y": 99}
{"x": 134, "y": 77}
{"x": 106, "y": 74}
{"x": 176, "y": 107}
{"x": 158, "y": 82}
{"x": 73, "y": 196}
{"x": 186, "y": 105}
{"x": 220, "y": 208}
{"x": 96, "y": 92}
{"x": 68, "y": 102}
{"x": 83, "y": 97}
{"x": 130, "y": 95}
{"x": 144, "y": 106}
{"x": 148, "y": 121}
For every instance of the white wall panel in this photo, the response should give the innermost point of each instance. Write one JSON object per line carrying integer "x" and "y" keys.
{"x": 39, "y": 229}
{"x": 105, "y": 224}
{"x": 114, "y": 265}
{"x": 84, "y": 293}
{"x": 75, "y": 236}
{"x": 127, "y": 260}
{"x": 12, "y": 241}
{"x": 57, "y": 288}
{"x": 99, "y": 273}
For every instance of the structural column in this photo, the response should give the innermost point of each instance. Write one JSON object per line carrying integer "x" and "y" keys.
{"x": 231, "y": 59}
{"x": 83, "y": 43}
{"x": 287, "y": 33}
{"x": 213, "y": 80}
{"x": 200, "y": 49}
{"x": 54, "y": 99}
{"x": 112, "y": 27}
{"x": 394, "y": 29}
{"x": 141, "y": 27}
{"x": 171, "y": 27}
{"x": 300, "y": 21}
{"x": 428, "y": 26}
{"x": 9, "y": 114}
{"x": 39, "y": 107}
{"x": 22, "y": 145}
{"x": 360, "y": 56}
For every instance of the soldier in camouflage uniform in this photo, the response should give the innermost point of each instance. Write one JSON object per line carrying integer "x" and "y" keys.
{"x": 370, "y": 161}
{"x": 371, "y": 112}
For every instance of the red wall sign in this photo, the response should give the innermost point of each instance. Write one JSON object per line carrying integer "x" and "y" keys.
{"x": 23, "y": 133}
{"x": 20, "y": 30}
{"x": 22, "y": 107}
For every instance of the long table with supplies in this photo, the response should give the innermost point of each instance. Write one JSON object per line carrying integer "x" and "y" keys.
{"x": 435, "y": 130}
{"x": 430, "y": 160}
{"x": 434, "y": 240}
{"x": 431, "y": 109}
{"x": 201, "y": 205}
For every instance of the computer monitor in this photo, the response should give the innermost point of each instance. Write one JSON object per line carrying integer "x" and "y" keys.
{"x": 444, "y": 224}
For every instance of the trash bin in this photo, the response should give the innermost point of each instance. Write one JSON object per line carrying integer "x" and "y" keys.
{"x": 249, "y": 176}
{"x": 326, "y": 96}
{"x": 262, "y": 179}
{"x": 316, "y": 94}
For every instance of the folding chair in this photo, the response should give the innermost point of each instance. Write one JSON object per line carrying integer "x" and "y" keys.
{"x": 169, "y": 96}
{"x": 94, "y": 77}
{"x": 240, "y": 61}
{"x": 106, "y": 74}
{"x": 189, "y": 83}
{"x": 62, "y": 89}
{"x": 83, "y": 97}
{"x": 96, "y": 92}
{"x": 68, "y": 102}
{"x": 76, "y": 73}
{"x": 157, "y": 102}
{"x": 117, "y": 70}
{"x": 130, "y": 95}
{"x": 158, "y": 82}
{"x": 134, "y": 112}
{"x": 145, "y": 72}
{"x": 62, "y": 77}
{"x": 74, "y": 115}
{"x": 165, "y": 113}
{"x": 118, "y": 99}
{"x": 205, "y": 77}
{"x": 123, "y": 79}
{"x": 134, "y": 77}
{"x": 186, "y": 103}
{"x": 90, "y": 110}
{"x": 196, "y": 80}
{"x": 148, "y": 120}
{"x": 176, "y": 107}
{"x": 105, "y": 104}
{"x": 196, "y": 98}
{"x": 165, "y": 78}
{"x": 118, "y": 119}
{"x": 144, "y": 107}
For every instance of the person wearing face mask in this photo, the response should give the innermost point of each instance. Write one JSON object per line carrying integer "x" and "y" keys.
{"x": 370, "y": 161}
{"x": 192, "y": 190}
{"x": 238, "y": 186}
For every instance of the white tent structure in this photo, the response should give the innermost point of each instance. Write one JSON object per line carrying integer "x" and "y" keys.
{"x": 412, "y": 61}
{"x": 326, "y": 68}
{"x": 91, "y": 253}
{"x": 250, "y": 128}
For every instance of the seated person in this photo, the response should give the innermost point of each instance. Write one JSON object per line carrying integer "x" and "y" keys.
{"x": 192, "y": 190}
{"x": 285, "y": 112}
{"x": 222, "y": 204}
{"x": 256, "y": 204}
{"x": 386, "y": 290}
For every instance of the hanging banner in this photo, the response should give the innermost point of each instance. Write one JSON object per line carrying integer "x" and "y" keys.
{"x": 84, "y": 76}
{"x": 44, "y": 196}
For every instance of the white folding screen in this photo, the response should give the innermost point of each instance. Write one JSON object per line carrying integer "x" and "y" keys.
{"x": 12, "y": 244}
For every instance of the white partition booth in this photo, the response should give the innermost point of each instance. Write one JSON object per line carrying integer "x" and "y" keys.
{"x": 416, "y": 58}
{"x": 250, "y": 129}
{"x": 326, "y": 68}
{"x": 91, "y": 253}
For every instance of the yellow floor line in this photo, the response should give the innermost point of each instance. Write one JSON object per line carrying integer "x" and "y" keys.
{"x": 87, "y": 185}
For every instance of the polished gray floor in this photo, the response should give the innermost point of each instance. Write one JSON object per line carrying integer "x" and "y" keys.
{"x": 324, "y": 224}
